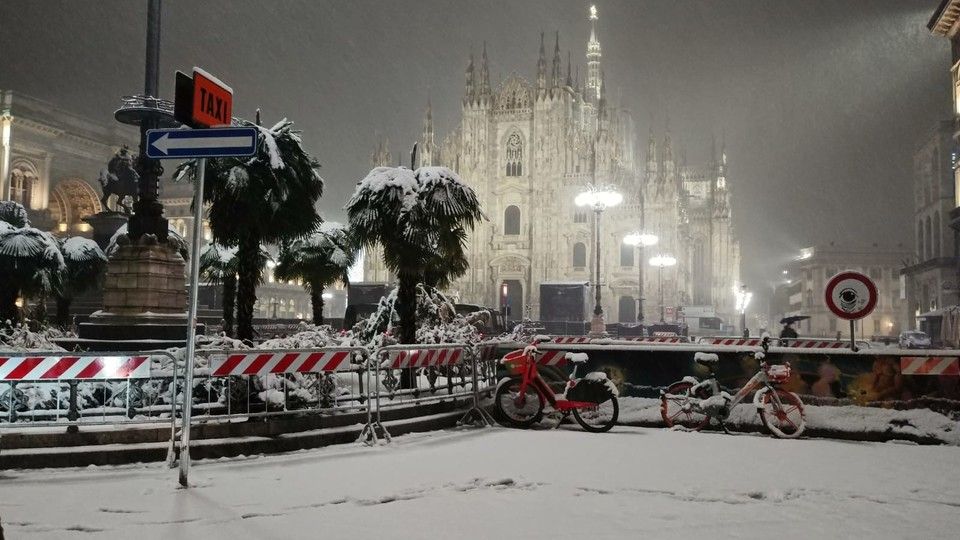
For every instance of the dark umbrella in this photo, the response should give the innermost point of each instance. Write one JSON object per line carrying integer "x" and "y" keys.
{"x": 793, "y": 319}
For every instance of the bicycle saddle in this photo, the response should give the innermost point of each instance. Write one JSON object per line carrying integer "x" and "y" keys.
{"x": 709, "y": 360}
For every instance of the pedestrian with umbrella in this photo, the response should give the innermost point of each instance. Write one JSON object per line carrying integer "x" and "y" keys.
{"x": 788, "y": 332}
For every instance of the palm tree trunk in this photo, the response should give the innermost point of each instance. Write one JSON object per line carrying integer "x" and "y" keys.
{"x": 316, "y": 302}
{"x": 248, "y": 275}
{"x": 229, "y": 302}
{"x": 407, "y": 306}
{"x": 63, "y": 312}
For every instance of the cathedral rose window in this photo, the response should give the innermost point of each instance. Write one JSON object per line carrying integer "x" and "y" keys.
{"x": 515, "y": 155}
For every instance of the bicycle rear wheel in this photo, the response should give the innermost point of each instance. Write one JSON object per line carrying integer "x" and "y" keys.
{"x": 517, "y": 410}
{"x": 676, "y": 409}
{"x": 600, "y": 418}
{"x": 784, "y": 418}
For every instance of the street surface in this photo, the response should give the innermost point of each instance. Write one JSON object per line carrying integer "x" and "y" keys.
{"x": 501, "y": 483}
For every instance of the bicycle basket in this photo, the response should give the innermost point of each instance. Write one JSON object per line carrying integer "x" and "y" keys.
{"x": 514, "y": 362}
{"x": 590, "y": 391}
{"x": 778, "y": 373}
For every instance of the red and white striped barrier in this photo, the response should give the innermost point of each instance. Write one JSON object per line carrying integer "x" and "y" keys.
{"x": 49, "y": 368}
{"x": 657, "y": 339}
{"x": 749, "y": 342}
{"x": 571, "y": 339}
{"x": 414, "y": 358}
{"x": 814, "y": 343}
{"x": 254, "y": 363}
{"x": 487, "y": 351}
{"x": 930, "y": 365}
{"x": 545, "y": 358}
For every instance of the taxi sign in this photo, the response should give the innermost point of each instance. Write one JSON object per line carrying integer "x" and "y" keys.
{"x": 202, "y": 101}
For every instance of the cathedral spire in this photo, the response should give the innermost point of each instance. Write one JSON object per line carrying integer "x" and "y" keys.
{"x": 556, "y": 63}
{"x": 484, "y": 73}
{"x": 542, "y": 68}
{"x": 569, "y": 78}
{"x": 651, "y": 155}
{"x": 471, "y": 82}
{"x": 593, "y": 57}
{"x": 427, "y": 146}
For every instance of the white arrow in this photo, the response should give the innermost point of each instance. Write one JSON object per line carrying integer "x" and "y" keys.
{"x": 164, "y": 144}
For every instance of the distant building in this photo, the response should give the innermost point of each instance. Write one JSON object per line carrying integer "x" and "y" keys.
{"x": 802, "y": 292}
{"x": 50, "y": 162}
{"x": 931, "y": 278}
{"x": 529, "y": 147}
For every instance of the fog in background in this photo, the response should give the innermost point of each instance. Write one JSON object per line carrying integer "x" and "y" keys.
{"x": 821, "y": 103}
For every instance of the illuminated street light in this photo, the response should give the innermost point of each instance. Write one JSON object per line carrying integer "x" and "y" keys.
{"x": 662, "y": 261}
{"x": 599, "y": 198}
{"x": 640, "y": 240}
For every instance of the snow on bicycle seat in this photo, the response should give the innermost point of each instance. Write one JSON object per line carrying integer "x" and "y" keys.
{"x": 577, "y": 358}
{"x": 706, "y": 359}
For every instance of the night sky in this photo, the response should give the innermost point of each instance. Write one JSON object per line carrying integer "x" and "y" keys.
{"x": 821, "y": 103}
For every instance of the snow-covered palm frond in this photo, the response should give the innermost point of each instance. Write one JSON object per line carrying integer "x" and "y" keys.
{"x": 85, "y": 264}
{"x": 319, "y": 258}
{"x": 29, "y": 243}
{"x": 79, "y": 250}
{"x": 6, "y": 227}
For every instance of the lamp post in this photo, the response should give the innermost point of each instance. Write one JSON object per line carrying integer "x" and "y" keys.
{"x": 743, "y": 297}
{"x": 640, "y": 240}
{"x": 661, "y": 261}
{"x": 599, "y": 198}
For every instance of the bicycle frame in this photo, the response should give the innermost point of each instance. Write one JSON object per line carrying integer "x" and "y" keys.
{"x": 530, "y": 377}
{"x": 759, "y": 383}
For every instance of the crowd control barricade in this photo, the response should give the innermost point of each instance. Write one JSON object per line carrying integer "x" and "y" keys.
{"x": 256, "y": 382}
{"x": 57, "y": 388}
{"x": 584, "y": 340}
{"x": 419, "y": 373}
{"x": 799, "y": 343}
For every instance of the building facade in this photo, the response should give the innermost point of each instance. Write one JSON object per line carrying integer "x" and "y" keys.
{"x": 50, "y": 162}
{"x": 802, "y": 292}
{"x": 931, "y": 278}
{"x": 528, "y": 148}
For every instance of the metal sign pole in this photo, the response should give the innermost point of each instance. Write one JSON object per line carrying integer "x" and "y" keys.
{"x": 853, "y": 341}
{"x": 192, "y": 321}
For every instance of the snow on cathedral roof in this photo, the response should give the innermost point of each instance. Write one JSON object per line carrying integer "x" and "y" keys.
{"x": 514, "y": 93}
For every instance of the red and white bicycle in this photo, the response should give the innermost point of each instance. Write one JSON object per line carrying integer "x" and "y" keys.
{"x": 691, "y": 403}
{"x": 522, "y": 397}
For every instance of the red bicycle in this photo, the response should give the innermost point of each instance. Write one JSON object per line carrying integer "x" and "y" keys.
{"x": 522, "y": 397}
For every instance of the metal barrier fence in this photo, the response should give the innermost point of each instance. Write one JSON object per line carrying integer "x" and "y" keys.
{"x": 45, "y": 388}
{"x": 415, "y": 374}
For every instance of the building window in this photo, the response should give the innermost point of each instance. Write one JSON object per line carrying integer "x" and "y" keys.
{"x": 579, "y": 255}
{"x": 936, "y": 234}
{"x": 809, "y": 298}
{"x": 514, "y": 155}
{"x": 920, "y": 238}
{"x": 511, "y": 220}
{"x": 626, "y": 255}
{"x": 580, "y": 216}
{"x": 928, "y": 249}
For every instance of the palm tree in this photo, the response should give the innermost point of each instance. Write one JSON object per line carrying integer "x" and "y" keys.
{"x": 30, "y": 262}
{"x": 420, "y": 219}
{"x": 218, "y": 266}
{"x": 320, "y": 260}
{"x": 267, "y": 199}
{"x": 85, "y": 264}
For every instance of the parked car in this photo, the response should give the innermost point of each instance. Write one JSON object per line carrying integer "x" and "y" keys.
{"x": 914, "y": 339}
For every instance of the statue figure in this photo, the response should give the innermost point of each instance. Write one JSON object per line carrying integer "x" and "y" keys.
{"x": 119, "y": 179}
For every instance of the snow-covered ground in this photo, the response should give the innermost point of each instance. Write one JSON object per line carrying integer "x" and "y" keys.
{"x": 501, "y": 483}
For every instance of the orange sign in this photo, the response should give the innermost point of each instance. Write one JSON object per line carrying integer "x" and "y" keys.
{"x": 212, "y": 101}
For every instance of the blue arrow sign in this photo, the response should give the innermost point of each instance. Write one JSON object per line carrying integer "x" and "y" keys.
{"x": 201, "y": 143}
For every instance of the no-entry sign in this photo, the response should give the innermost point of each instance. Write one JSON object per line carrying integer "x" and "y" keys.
{"x": 851, "y": 295}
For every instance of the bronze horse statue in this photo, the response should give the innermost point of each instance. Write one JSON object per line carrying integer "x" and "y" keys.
{"x": 119, "y": 179}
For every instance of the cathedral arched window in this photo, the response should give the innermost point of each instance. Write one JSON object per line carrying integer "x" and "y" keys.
{"x": 626, "y": 254}
{"x": 928, "y": 251}
{"x": 511, "y": 220}
{"x": 936, "y": 234}
{"x": 23, "y": 178}
{"x": 580, "y": 216}
{"x": 920, "y": 238}
{"x": 579, "y": 255}
{"x": 515, "y": 155}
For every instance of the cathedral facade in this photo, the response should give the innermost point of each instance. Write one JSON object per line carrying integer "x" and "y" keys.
{"x": 528, "y": 148}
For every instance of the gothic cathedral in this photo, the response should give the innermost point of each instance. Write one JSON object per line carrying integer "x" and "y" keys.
{"x": 529, "y": 149}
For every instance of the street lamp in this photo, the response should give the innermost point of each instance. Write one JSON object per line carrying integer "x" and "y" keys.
{"x": 661, "y": 261}
{"x": 743, "y": 297}
{"x": 640, "y": 240}
{"x": 599, "y": 198}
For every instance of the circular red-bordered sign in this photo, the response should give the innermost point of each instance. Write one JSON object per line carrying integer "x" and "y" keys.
{"x": 851, "y": 295}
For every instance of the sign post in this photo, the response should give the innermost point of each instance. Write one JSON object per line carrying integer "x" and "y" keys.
{"x": 851, "y": 296}
{"x": 202, "y": 102}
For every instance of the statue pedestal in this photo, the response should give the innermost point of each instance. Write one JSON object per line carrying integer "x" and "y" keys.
{"x": 144, "y": 299}
{"x": 104, "y": 225}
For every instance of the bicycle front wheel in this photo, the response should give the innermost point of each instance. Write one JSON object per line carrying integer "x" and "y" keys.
{"x": 600, "y": 418}
{"x": 782, "y": 414}
{"x": 516, "y": 409}
{"x": 676, "y": 409}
